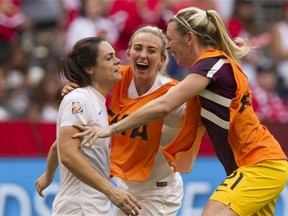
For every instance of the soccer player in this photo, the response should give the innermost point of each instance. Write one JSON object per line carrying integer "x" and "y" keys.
{"x": 256, "y": 166}
{"x": 85, "y": 187}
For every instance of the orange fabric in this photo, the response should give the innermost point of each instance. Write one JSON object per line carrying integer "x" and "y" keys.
{"x": 182, "y": 151}
{"x": 133, "y": 152}
{"x": 250, "y": 141}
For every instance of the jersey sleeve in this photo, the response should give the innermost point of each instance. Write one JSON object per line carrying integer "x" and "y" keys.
{"x": 74, "y": 110}
{"x": 209, "y": 67}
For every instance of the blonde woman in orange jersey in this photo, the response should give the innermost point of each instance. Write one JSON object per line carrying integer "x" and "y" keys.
{"x": 255, "y": 164}
{"x": 137, "y": 161}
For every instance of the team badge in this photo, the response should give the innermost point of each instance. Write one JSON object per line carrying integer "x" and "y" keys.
{"x": 77, "y": 107}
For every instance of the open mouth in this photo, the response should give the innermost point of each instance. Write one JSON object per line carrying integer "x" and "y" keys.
{"x": 142, "y": 66}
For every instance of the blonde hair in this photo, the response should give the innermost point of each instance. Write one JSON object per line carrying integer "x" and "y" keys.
{"x": 159, "y": 33}
{"x": 210, "y": 30}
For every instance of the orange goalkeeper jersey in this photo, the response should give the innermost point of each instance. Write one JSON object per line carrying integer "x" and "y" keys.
{"x": 133, "y": 151}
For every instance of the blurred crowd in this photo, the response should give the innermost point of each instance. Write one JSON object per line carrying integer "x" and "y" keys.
{"x": 34, "y": 34}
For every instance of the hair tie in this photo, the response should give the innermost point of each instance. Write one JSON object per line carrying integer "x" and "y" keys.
{"x": 184, "y": 24}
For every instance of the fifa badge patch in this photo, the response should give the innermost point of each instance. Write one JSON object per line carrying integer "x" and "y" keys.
{"x": 77, "y": 107}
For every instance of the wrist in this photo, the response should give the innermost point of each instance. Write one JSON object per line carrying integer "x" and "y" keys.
{"x": 49, "y": 176}
{"x": 114, "y": 131}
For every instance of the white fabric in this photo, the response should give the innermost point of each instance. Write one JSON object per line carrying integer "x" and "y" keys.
{"x": 152, "y": 198}
{"x": 83, "y": 106}
{"x": 82, "y": 27}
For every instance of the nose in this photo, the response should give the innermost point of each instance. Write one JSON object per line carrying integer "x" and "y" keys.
{"x": 117, "y": 61}
{"x": 167, "y": 46}
{"x": 143, "y": 54}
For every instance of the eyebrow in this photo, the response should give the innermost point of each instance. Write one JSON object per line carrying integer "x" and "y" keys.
{"x": 153, "y": 47}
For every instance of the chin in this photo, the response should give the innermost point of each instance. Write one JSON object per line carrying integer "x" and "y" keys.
{"x": 118, "y": 77}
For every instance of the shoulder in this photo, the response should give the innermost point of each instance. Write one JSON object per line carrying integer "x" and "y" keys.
{"x": 162, "y": 79}
{"x": 210, "y": 63}
{"x": 77, "y": 94}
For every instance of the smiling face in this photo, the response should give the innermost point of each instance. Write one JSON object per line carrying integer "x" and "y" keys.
{"x": 178, "y": 45}
{"x": 145, "y": 56}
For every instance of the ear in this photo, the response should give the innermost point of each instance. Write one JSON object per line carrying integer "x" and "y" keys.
{"x": 190, "y": 38}
{"x": 128, "y": 54}
{"x": 163, "y": 63}
{"x": 163, "y": 59}
{"x": 89, "y": 70}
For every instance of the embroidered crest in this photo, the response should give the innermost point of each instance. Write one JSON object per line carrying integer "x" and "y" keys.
{"x": 77, "y": 107}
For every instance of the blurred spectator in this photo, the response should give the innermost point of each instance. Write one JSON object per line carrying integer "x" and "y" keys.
{"x": 267, "y": 103}
{"x": 158, "y": 12}
{"x": 243, "y": 24}
{"x": 91, "y": 22}
{"x": 225, "y": 10}
{"x": 126, "y": 14}
{"x": 279, "y": 47}
{"x": 12, "y": 20}
{"x": 203, "y": 4}
{"x": 44, "y": 106}
{"x": 43, "y": 39}
{"x": 15, "y": 91}
{"x": 71, "y": 10}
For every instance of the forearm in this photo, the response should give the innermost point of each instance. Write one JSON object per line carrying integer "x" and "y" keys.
{"x": 165, "y": 104}
{"x": 52, "y": 161}
{"x": 152, "y": 111}
{"x": 80, "y": 167}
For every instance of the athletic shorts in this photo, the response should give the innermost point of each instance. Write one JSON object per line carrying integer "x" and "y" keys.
{"x": 162, "y": 204}
{"x": 254, "y": 189}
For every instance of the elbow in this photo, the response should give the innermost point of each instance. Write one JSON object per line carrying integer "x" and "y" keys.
{"x": 164, "y": 108}
{"x": 54, "y": 147}
{"x": 66, "y": 158}
{"x": 165, "y": 111}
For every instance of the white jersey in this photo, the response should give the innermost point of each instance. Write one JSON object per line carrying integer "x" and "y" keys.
{"x": 162, "y": 180}
{"x": 83, "y": 106}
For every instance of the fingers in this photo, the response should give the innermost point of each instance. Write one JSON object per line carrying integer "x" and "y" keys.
{"x": 90, "y": 139}
{"x": 39, "y": 189}
{"x": 128, "y": 210}
{"x": 135, "y": 202}
{"x": 81, "y": 127}
{"x": 88, "y": 134}
{"x": 133, "y": 212}
{"x": 73, "y": 85}
{"x": 132, "y": 206}
{"x": 81, "y": 134}
{"x": 68, "y": 88}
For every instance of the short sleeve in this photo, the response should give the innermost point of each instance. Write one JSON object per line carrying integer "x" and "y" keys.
{"x": 73, "y": 111}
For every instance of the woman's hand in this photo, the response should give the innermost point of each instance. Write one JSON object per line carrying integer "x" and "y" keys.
{"x": 42, "y": 182}
{"x": 68, "y": 88}
{"x": 90, "y": 134}
{"x": 125, "y": 201}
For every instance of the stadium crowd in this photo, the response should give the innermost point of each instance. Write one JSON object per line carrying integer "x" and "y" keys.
{"x": 35, "y": 34}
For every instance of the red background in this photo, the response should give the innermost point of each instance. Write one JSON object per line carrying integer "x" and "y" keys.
{"x": 33, "y": 139}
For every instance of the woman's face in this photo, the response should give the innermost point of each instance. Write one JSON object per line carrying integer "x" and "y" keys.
{"x": 145, "y": 55}
{"x": 178, "y": 46}
{"x": 108, "y": 65}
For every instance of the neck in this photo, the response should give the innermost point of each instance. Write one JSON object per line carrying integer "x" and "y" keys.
{"x": 143, "y": 85}
{"x": 104, "y": 90}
